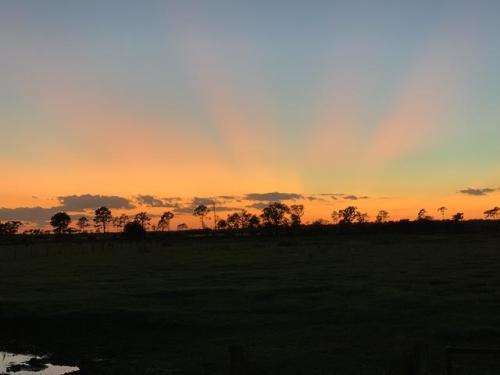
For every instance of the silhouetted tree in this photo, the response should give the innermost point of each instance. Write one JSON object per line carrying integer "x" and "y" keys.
{"x": 459, "y": 216}
{"x": 31, "y": 232}
{"x": 494, "y": 213}
{"x": 274, "y": 214}
{"x": 134, "y": 230}
{"x": 165, "y": 221}
{"x": 143, "y": 219}
{"x": 335, "y": 217}
{"x": 82, "y": 224}
{"x": 442, "y": 210}
{"x": 382, "y": 216}
{"x": 201, "y": 211}
{"x": 102, "y": 218}
{"x": 296, "y": 213}
{"x": 362, "y": 217}
{"x": 254, "y": 222}
{"x": 10, "y": 228}
{"x": 215, "y": 214}
{"x": 242, "y": 220}
{"x": 60, "y": 222}
{"x": 120, "y": 221}
{"x": 221, "y": 224}
{"x": 348, "y": 215}
{"x": 245, "y": 217}
{"x": 422, "y": 215}
{"x": 233, "y": 221}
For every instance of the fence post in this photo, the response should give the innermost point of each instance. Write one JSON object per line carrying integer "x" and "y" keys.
{"x": 236, "y": 360}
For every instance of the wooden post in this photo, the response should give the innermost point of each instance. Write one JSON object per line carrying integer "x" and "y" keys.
{"x": 236, "y": 361}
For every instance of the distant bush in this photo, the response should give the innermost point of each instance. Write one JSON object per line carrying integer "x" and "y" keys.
{"x": 134, "y": 231}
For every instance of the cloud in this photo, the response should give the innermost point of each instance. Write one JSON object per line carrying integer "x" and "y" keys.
{"x": 258, "y": 205}
{"x": 39, "y": 215}
{"x": 227, "y": 208}
{"x": 197, "y": 201}
{"x": 314, "y": 198}
{"x": 183, "y": 210}
{"x": 330, "y": 195}
{"x": 80, "y": 203}
{"x": 274, "y": 196}
{"x": 354, "y": 197}
{"x": 227, "y": 197}
{"x": 152, "y": 201}
{"x": 172, "y": 199}
{"x": 478, "y": 192}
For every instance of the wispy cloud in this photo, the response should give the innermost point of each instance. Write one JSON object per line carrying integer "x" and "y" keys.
{"x": 354, "y": 197}
{"x": 152, "y": 201}
{"x": 478, "y": 192}
{"x": 274, "y": 196}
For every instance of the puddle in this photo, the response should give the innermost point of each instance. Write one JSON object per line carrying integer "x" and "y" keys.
{"x": 26, "y": 364}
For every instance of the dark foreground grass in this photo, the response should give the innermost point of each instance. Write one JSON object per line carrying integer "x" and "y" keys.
{"x": 299, "y": 305}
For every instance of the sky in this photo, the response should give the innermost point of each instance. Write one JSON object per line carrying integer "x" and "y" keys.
{"x": 394, "y": 103}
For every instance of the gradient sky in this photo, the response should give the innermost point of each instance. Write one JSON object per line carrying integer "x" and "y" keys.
{"x": 398, "y": 101}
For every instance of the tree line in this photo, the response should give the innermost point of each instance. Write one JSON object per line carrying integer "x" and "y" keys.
{"x": 276, "y": 214}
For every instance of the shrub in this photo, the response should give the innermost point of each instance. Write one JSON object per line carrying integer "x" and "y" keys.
{"x": 134, "y": 231}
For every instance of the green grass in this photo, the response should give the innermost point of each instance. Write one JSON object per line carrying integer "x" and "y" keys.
{"x": 310, "y": 305}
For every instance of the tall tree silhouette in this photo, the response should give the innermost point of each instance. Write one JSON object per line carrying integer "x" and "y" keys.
{"x": 422, "y": 215}
{"x": 165, "y": 221}
{"x": 82, "y": 224}
{"x": 348, "y": 214}
{"x": 102, "y": 218}
{"x": 215, "y": 214}
{"x": 296, "y": 213}
{"x": 382, "y": 216}
{"x": 275, "y": 214}
{"x": 120, "y": 221}
{"x": 201, "y": 211}
{"x": 60, "y": 222}
{"x": 442, "y": 210}
{"x": 143, "y": 219}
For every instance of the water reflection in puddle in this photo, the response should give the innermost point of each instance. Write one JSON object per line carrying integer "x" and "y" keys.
{"x": 19, "y": 364}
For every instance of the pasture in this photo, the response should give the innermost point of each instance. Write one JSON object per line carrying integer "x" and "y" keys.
{"x": 324, "y": 304}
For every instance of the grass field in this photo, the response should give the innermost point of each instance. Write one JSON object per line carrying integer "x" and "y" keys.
{"x": 328, "y": 304}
